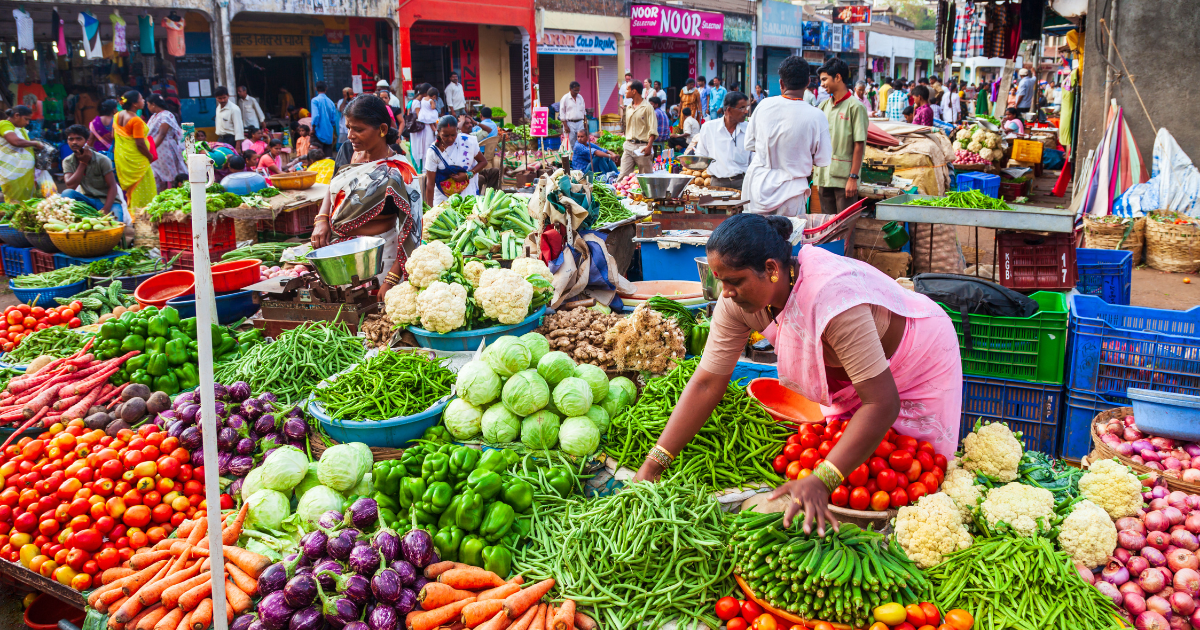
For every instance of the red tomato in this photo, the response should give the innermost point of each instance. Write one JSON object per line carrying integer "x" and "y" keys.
{"x": 899, "y": 498}
{"x": 780, "y": 464}
{"x": 792, "y": 452}
{"x": 169, "y": 466}
{"x": 840, "y": 496}
{"x": 793, "y": 470}
{"x": 137, "y": 516}
{"x": 941, "y": 476}
{"x": 859, "y": 476}
{"x": 929, "y": 480}
{"x": 76, "y": 306}
{"x": 809, "y": 440}
{"x": 880, "y": 501}
{"x": 765, "y": 621}
{"x": 794, "y": 438}
{"x": 916, "y": 616}
{"x": 737, "y": 623}
{"x": 926, "y": 447}
{"x": 906, "y": 442}
{"x": 66, "y": 313}
{"x": 53, "y": 319}
{"x": 916, "y": 490}
{"x": 925, "y": 459}
{"x": 750, "y": 610}
{"x": 13, "y": 317}
{"x": 133, "y": 458}
{"x": 226, "y": 502}
{"x": 872, "y": 486}
{"x": 914, "y": 471}
{"x": 877, "y": 465}
{"x": 107, "y": 559}
{"x": 886, "y": 480}
{"x": 88, "y": 540}
{"x": 808, "y": 459}
{"x": 727, "y": 608}
{"x": 824, "y": 448}
{"x": 900, "y": 461}
{"x": 111, "y": 469}
{"x": 859, "y": 498}
{"x": 940, "y": 461}
{"x": 932, "y": 615}
{"x": 29, "y": 322}
{"x": 837, "y": 437}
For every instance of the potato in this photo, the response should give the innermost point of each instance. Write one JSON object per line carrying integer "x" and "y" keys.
{"x": 119, "y": 311}
{"x": 708, "y": 181}
{"x": 115, "y": 427}
{"x": 39, "y": 363}
{"x": 103, "y": 318}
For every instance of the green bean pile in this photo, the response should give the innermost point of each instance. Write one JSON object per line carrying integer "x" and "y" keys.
{"x": 50, "y": 279}
{"x": 732, "y": 449}
{"x": 611, "y": 208}
{"x": 55, "y": 341}
{"x": 1015, "y": 582}
{"x": 293, "y": 365}
{"x": 966, "y": 199}
{"x": 387, "y": 385}
{"x": 648, "y": 554}
{"x": 268, "y": 253}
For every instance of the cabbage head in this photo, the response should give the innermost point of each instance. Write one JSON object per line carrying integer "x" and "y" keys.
{"x": 364, "y": 452}
{"x": 538, "y": 346}
{"x": 621, "y": 393}
{"x": 540, "y": 430}
{"x": 578, "y": 436}
{"x": 596, "y": 379}
{"x": 461, "y": 419}
{"x": 308, "y": 483}
{"x": 477, "y": 383}
{"x": 599, "y": 417}
{"x": 573, "y": 396}
{"x": 317, "y": 501}
{"x": 625, "y": 384}
{"x": 283, "y": 469}
{"x": 252, "y": 483}
{"x": 507, "y": 356}
{"x": 341, "y": 467}
{"x": 364, "y": 488}
{"x": 500, "y": 425}
{"x": 267, "y": 508}
{"x": 555, "y": 366}
{"x": 525, "y": 393}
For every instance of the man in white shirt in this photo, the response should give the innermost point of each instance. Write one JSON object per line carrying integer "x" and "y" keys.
{"x": 788, "y": 138}
{"x": 660, "y": 93}
{"x": 724, "y": 139}
{"x": 455, "y": 101}
{"x": 573, "y": 113}
{"x": 252, "y": 113}
{"x": 951, "y": 103}
{"x": 382, "y": 84}
{"x": 228, "y": 116}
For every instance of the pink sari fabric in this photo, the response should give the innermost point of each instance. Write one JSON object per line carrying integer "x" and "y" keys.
{"x": 926, "y": 365}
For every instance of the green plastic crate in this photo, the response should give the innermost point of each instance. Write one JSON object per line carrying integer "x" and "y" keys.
{"x": 1031, "y": 349}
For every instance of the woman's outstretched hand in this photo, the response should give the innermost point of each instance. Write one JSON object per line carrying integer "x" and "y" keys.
{"x": 808, "y": 494}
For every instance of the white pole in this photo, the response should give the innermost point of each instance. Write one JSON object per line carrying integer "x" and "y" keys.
{"x": 198, "y": 169}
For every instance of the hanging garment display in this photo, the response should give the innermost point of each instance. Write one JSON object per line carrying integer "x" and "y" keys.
{"x": 176, "y": 45}
{"x": 118, "y": 24}
{"x": 24, "y": 29}
{"x": 58, "y": 34}
{"x": 146, "y": 34}
{"x": 91, "y": 35}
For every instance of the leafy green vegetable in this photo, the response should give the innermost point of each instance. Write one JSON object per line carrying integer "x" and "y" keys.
{"x": 179, "y": 200}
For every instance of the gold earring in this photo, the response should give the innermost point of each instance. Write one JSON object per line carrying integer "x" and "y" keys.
{"x": 774, "y": 278}
{"x": 382, "y": 134}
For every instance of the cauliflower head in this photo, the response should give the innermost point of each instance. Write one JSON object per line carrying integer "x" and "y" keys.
{"x": 978, "y": 133}
{"x": 473, "y": 270}
{"x": 427, "y": 220}
{"x": 505, "y": 296}
{"x": 427, "y": 263}
{"x": 994, "y": 451}
{"x": 931, "y": 529}
{"x": 443, "y": 307}
{"x": 1020, "y": 506}
{"x": 400, "y": 304}
{"x": 960, "y": 486}
{"x": 991, "y": 141}
{"x": 1088, "y": 534}
{"x": 529, "y": 266}
{"x": 962, "y": 134}
{"x": 489, "y": 276}
{"x": 1112, "y": 486}
{"x": 985, "y": 153}
{"x": 974, "y": 147}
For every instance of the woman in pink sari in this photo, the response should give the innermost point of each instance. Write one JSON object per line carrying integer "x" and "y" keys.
{"x": 847, "y": 336}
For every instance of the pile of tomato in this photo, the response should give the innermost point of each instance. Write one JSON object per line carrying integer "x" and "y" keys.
{"x": 76, "y": 501}
{"x": 747, "y": 615}
{"x": 923, "y": 616}
{"x": 901, "y": 470}
{"x": 22, "y": 319}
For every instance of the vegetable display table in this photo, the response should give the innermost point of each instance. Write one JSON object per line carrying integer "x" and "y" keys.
{"x": 1029, "y": 218}
{"x": 42, "y": 584}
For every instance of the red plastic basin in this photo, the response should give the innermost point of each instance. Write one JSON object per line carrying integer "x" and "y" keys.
{"x": 158, "y": 289}
{"x": 46, "y": 611}
{"x": 784, "y": 404}
{"x": 235, "y": 275}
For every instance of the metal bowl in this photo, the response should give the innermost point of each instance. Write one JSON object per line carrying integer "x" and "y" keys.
{"x": 663, "y": 185}
{"x": 709, "y": 282}
{"x": 350, "y": 261}
{"x": 694, "y": 162}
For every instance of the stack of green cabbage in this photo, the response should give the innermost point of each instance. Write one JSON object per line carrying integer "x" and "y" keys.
{"x": 344, "y": 470}
{"x": 519, "y": 389}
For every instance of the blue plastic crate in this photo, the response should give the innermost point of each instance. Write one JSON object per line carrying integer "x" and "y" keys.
{"x": 983, "y": 182}
{"x": 1031, "y": 408}
{"x": 1116, "y": 347}
{"x": 1082, "y": 408}
{"x": 18, "y": 261}
{"x": 62, "y": 260}
{"x": 1105, "y": 273}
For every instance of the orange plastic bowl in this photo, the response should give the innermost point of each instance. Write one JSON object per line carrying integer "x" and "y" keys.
{"x": 784, "y": 404}
{"x": 156, "y": 290}
{"x": 235, "y": 275}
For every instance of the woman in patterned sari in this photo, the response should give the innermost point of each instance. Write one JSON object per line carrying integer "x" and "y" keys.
{"x": 132, "y": 153}
{"x": 17, "y": 156}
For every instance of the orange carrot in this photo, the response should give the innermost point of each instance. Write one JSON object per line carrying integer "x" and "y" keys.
{"x": 112, "y": 575}
{"x": 137, "y": 621}
{"x": 171, "y": 620}
{"x": 113, "y": 606}
{"x": 438, "y": 568}
{"x": 195, "y": 595}
{"x": 584, "y": 622}
{"x": 248, "y": 584}
{"x": 202, "y": 616}
{"x": 198, "y": 531}
{"x": 470, "y": 578}
{"x": 516, "y": 604}
{"x": 135, "y": 581}
{"x": 170, "y": 596}
{"x": 236, "y": 597}
{"x": 500, "y": 592}
{"x": 154, "y": 592}
{"x": 105, "y": 592}
{"x": 550, "y": 612}
{"x": 143, "y": 560}
{"x": 526, "y": 620}
{"x": 94, "y": 598}
{"x": 186, "y": 622}
{"x": 499, "y": 621}
{"x": 539, "y": 620}
{"x": 233, "y": 529}
{"x": 149, "y": 617}
{"x": 433, "y": 618}
{"x": 127, "y": 611}
{"x": 111, "y": 600}
{"x": 481, "y": 611}
{"x": 564, "y": 618}
{"x": 517, "y": 579}
{"x": 434, "y": 595}
{"x": 252, "y": 563}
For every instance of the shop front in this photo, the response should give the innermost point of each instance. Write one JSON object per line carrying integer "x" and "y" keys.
{"x": 666, "y": 44}
{"x": 589, "y": 58}
{"x": 733, "y": 54}
{"x": 780, "y": 35}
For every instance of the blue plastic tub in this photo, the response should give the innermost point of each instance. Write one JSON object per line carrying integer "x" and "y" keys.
{"x": 46, "y": 297}
{"x": 1030, "y": 408}
{"x": 1166, "y": 414}
{"x": 1082, "y": 409}
{"x": 1105, "y": 273}
{"x": 13, "y": 237}
{"x": 468, "y": 340}
{"x": 230, "y": 306}
{"x": 391, "y": 433}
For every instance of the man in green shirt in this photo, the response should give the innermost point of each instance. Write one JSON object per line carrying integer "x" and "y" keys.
{"x": 838, "y": 182}
{"x": 89, "y": 175}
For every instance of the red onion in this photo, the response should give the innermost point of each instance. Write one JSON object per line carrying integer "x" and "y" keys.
{"x": 1172, "y": 463}
{"x": 1110, "y": 591}
{"x": 1168, "y": 590}
{"x": 1154, "y": 465}
{"x": 1114, "y": 427}
{"x": 1192, "y": 449}
{"x": 1122, "y": 554}
{"x": 1185, "y": 539}
{"x": 1192, "y": 522}
{"x": 1195, "y": 464}
{"x": 1196, "y": 618}
{"x": 1162, "y": 443}
{"x": 1182, "y": 603}
{"x": 1131, "y": 587}
{"x": 1155, "y": 557}
{"x": 1160, "y": 492}
{"x": 1179, "y": 559}
{"x": 1193, "y": 500}
{"x": 1114, "y": 572}
{"x": 1150, "y": 456}
{"x": 1158, "y": 540}
{"x": 1174, "y": 515}
{"x": 1173, "y": 474}
{"x": 1151, "y": 581}
{"x": 1085, "y": 573}
{"x": 1191, "y": 475}
{"x": 1137, "y": 459}
{"x": 1129, "y": 421}
{"x": 1177, "y": 622}
{"x": 1135, "y": 604}
{"x": 1158, "y": 504}
{"x": 1187, "y": 580}
{"x": 1115, "y": 443}
{"x": 1159, "y": 604}
{"x": 1131, "y": 540}
{"x": 1131, "y": 433}
{"x": 1157, "y": 521}
{"x": 1151, "y": 620}
{"x": 1136, "y": 565}
{"x": 1140, "y": 445}
{"x": 1130, "y": 522}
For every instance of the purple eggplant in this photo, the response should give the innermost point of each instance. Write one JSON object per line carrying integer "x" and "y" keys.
{"x": 168, "y": 414}
{"x": 300, "y": 591}
{"x": 304, "y": 569}
{"x": 355, "y": 587}
{"x": 189, "y": 398}
{"x": 312, "y": 544}
{"x": 245, "y": 446}
{"x": 363, "y": 513}
{"x": 242, "y": 622}
{"x": 267, "y": 397}
{"x": 330, "y": 519}
{"x": 220, "y": 391}
{"x": 364, "y": 560}
{"x": 295, "y": 428}
{"x": 419, "y": 583}
{"x": 384, "y": 617}
{"x": 256, "y": 625}
{"x": 238, "y": 423}
{"x": 267, "y": 452}
{"x": 341, "y": 544}
{"x": 239, "y": 391}
{"x": 265, "y": 424}
{"x": 356, "y": 625}
{"x": 241, "y": 465}
{"x": 274, "y": 612}
{"x": 306, "y": 619}
{"x": 387, "y": 542}
{"x": 223, "y": 463}
{"x": 327, "y": 572}
{"x": 407, "y": 601}
{"x": 197, "y": 457}
{"x": 418, "y": 548}
{"x": 406, "y": 571}
{"x": 226, "y": 438}
{"x": 386, "y": 586}
{"x": 175, "y": 428}
{"x": 235, "y": 488}
{"x": 271, "y": 441}
{"x": 191, "y": 438}
{"x": 189, "y": 413}
{"x": 251, "y": 408}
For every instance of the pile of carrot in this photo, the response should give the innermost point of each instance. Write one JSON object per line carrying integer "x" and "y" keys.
{"x": 169, "y": 586}
{"x": 469, "y": 597}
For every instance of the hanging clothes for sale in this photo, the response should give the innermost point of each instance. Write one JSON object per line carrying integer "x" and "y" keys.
{"x": 24, "y": 29}
{"x": 118, "y": 24}
{"x": 996, "y": 40}
{"x": 91, "y": 35}
{"x": 176, "y": 45}
{"x": 146, "y": 34}
{"x": 58, "y": 34}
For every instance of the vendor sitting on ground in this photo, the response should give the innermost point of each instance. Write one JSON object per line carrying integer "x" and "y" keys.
{"x": 591, "y": 158}
{"x": 270, "y": 162}
{"x": 90, "y": 177}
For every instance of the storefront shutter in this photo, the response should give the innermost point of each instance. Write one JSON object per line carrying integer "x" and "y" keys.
{"x": 608, "y": 86}
{"x": 547, "y": 91}
{"x": 516, "y": 106}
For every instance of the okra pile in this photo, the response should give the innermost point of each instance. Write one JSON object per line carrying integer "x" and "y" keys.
{"x": 838, "y": 578}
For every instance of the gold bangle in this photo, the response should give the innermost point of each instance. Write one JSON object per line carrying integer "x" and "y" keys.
{"x": 834, "y": 469}
{"x": 828, "y": 475}
{"x": 659, "y": 458}
{"x": 324, "y": 217}
{"x": 664, "y": 452}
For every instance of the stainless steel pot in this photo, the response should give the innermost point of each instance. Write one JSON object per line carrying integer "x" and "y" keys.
{"x": 694, "y": 162}
{"x": 709, "y": 282}
{"x": 340, "y": 263}
{"x": 663, "y": 185}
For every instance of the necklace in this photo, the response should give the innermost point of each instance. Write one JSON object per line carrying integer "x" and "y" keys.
{"x": 771, "y": 312}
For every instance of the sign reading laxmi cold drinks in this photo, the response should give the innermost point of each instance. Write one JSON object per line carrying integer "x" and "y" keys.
{"x": 567, "y": 43}
{"x": 648, "y": 20}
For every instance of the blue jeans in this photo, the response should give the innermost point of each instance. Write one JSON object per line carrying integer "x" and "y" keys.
{"x": 95, "y": 202}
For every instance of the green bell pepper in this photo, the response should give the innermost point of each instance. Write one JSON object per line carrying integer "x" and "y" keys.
{"x": 411, "y": 490}
{"x": 497, "y": 521}
{"x": 119, "y": 377}
{"x": 188, "y": 326}
{"x": 386, "y": 476}
{"x": 109, "y": 348}
{"x": 447, "y": 517}
{"x": 471, "y": 550}
{"x": 493, "y": 460}
{"x": 113, "y": 329}
{"x": 149, "y": 311}
{"x": 485, "y": 482}
{"x": 251, "y": 336}
{"x": 498, "y": 560}
{"x": 511, "y": 458}
{"x": 156, "y": 345}
{"x": 157, "y": 326}
{"x": 389, "y": 518}
{"x": 158, "y": 365}
{"x": 470, "y": 510}
{"x": 176, "y": 352}
{"x": 436, "y": 467}
{"x": 143, "y": 377}
{"x": 522, "y": 526}
{"x": 412, "y": 458}
{"x": 463, "y": 461}
{"x": 437, "y": 497}
{"x": 227, "y": 344}
{"x": 133, "y": 342}
{"x": 175, "y": 333}
{"x": 383, "y": 500}
{"x": 188, "y": 375}
{"x": 171, "y": 315}
{"x": 446, "y": 541}
{"x": 167, "y": 383}
{"x": 137, "y": 363}
{"x": 138, "y": 327}
{"x": 561, "y": 480}
{"x": 518, "y": 494}
{"x": 437, "y": 434}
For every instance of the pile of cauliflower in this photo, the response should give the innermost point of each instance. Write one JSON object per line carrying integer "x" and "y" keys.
{"x": 441, "y": 298}
{"x": 1112, "y": 486}
{"x": 993, "y": 450}
{"x": 930, "y": 529}
{"x": 977, "y": 140}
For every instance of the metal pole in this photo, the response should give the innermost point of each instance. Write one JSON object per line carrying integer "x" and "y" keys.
{"x": 198, "y": 169}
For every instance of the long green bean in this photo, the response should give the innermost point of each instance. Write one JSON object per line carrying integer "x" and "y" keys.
{"x": 49, "y": 279}
{"x": 965, "y": 199}
{"x": 293, "y": 365}
{"x": 55, "y": 341}
{"x": 388, "y": 385}
{"x": 611, "y": 208}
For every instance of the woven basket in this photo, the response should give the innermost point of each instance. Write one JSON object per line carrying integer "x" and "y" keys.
{"x": 294, "y": 181}
{"x": 145, "y": 231}
{"x": 88, "y": 244}
{"x": 41, "y": 240}
{"x": 317, "y": 446}
{"x": 1172, "y": 247}
{"x": 1102, "y": 235}
{"x": 1100, "y": 450}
